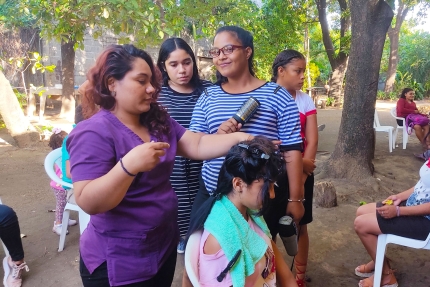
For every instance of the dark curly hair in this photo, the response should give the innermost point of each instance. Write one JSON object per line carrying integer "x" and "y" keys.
{"x": 246, "y": 161}
{"x": 115, "y": 62}
{"x": 56, "y": 140}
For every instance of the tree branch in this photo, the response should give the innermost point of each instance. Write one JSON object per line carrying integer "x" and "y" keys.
{"x": 328, "y": 44}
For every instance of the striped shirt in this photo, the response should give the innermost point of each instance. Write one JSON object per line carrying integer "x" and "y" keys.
{"x": 276, "y": 118}
{"x": 185, "y": 175}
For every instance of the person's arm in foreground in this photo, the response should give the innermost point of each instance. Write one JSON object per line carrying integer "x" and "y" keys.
{"x": 199, "y": 146}
{"x": 390, "y": 210}
{"x": 311, "y": 134}
{"x": 106, "y": 192}
{"x": 294, "y": 166}
{"x": 284, "y": 277}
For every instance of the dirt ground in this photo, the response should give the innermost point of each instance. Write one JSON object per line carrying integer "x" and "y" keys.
{"x": 335, "y": 249}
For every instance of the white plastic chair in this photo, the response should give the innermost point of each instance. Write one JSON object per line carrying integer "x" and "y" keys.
{"x": 6, "y": 252}
{"x": 403, "y": 128}
{"x": 84, "y": 218}
{"x": 389, "y": 129}
{"x": 192, "y": 252}
{"x": 383, "y": 240}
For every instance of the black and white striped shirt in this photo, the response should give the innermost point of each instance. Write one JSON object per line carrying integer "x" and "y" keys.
{"x": 185, "y": 175}
{"x": 276, "y": 118}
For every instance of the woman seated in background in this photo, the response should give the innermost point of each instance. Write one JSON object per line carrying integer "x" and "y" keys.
{"x": 406, "y": 106}
{"x": 406, "y": 214}
{"x": 234, "y": 232}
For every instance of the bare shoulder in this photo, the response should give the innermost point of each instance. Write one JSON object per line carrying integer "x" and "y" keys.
{"x": 211, "y": 245}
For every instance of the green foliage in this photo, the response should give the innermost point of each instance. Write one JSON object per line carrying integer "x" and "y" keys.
{"x": 393, "y": 96}
{"x": 315, "y": 73}
{"x": 13, "y": 15}
{"x": 405, "y": 80}
{"x": 22, "y": 98}
{"x": 362, "y": 203}
{"x": 330, "y": 101}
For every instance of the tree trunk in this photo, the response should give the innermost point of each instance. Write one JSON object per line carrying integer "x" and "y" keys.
{"x": 17, "y": 124}
{"x": 336, "y": 82}
{"x": 352, "y": 158}
{"x": 338, "y": 61}
{"x": 394, "y": 35}
{"x": 68, "y": 80}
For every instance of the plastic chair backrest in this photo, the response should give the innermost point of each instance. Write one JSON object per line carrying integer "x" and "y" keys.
{"x": 192, "y": 254}
{"x": 52, "y": 158}
{"x": 376, "y": 122}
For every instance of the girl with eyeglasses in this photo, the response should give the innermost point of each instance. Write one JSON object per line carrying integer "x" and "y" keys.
{"x": 277, "y": 118}
{"x": 235, "y": 247}
{"x": 181, "y": 89}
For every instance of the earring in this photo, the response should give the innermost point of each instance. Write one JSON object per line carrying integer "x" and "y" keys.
{"x": 113, "y": 93}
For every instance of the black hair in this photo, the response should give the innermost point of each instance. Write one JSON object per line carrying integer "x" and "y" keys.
{"x": 246, "y": 39}
{"x": 171, "y": 45}
{"x": 56, "y": 139}
{"x": 404, "y": 92}
{"x": 246, "y": 162}
{"x": 282, "y": 59}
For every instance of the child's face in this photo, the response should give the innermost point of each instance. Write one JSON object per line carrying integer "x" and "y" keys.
{"x": 252, "y": 195}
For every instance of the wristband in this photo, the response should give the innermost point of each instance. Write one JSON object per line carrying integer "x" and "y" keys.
{"x": 398, "y": 210}
{"x": 124, "y": 169}
{"x": 296, "y": 200}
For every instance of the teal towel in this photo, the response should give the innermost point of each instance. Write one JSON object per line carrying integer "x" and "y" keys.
{"x": 233, "y": 232}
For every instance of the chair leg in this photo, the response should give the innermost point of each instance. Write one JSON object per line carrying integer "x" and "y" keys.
{"x": 405, "y": 137}
{"x": 84, "y": 219}
{"x": 390, "y": 140}
{"x": 395, "y": 138}
{"x": 65, "y": 224}
{"x": 379, "y": 259}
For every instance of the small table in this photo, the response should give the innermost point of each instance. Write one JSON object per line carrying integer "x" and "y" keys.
{"x": 45, "y": 91}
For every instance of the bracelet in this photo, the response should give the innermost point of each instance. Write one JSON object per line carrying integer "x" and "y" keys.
{"x": 297, "y": 200}
{"x": 398, "y": 210}
{"x": 124, "y": 169}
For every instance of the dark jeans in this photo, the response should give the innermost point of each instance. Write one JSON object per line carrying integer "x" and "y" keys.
{"x": 99, "y": 278}
{"x": 10, "y": 233}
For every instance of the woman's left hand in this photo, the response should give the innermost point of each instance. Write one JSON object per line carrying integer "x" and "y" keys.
{"x": 387, "y": 211}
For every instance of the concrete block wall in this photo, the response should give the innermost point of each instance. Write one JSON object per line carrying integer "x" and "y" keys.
{"x": 85, "y": 59}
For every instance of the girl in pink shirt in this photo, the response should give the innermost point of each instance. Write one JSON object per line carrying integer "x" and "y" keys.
{"x": 56, "y": 141}
{"x": 235, "y": 248}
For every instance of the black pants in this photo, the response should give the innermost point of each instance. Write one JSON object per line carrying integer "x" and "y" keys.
{"x": 99, "y": 278}
{"x": 10, "y": 233}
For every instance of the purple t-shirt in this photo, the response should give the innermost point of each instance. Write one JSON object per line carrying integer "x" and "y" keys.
{"x": 136, "y": 237}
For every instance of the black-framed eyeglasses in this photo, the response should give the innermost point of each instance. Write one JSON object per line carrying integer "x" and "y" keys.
{"x": 226, "y": 50}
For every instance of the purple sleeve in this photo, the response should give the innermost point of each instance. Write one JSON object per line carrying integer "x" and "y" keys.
{"x": 92, "y": 154}
{"x": 177, "y": 129}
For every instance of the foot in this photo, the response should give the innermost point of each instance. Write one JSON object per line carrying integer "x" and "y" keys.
{"x": 365, "y": 270}
{"x": 300, "y": 274}
{"x": 57, "y": 229}
{"x": 420, "y": 156}
{"x": 72, "y": 222}
{"x": 181, "y": 246}
{"x": 388, "y": 280}
{"x": 13, "y": 272}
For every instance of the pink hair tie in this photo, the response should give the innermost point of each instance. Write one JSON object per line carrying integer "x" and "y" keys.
{"x": 398, "y": 210}
{"x": 56, "y": 130}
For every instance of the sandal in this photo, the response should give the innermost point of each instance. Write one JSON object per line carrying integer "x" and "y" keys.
{"x": 362, "y": 271}
{"x": 300, "y": 282}
{"x": 368, "y": 282}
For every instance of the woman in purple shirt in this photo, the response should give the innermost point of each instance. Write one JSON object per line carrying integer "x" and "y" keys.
{"x": 121, "y": 159}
